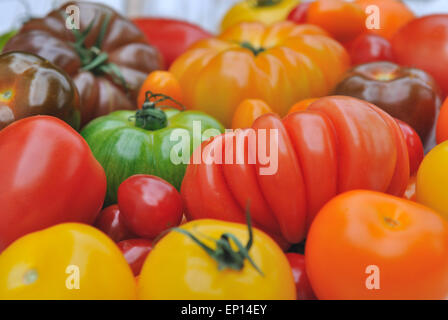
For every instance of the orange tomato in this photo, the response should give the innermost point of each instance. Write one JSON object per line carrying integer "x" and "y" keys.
{"x": 442, "y": 123}
{"x": 279, "y": 64}
{"x": 247, "y": 111}
{"x": 161, "y": 82}
{"x": 393, "y": 14}
{"x": 301, "y": 105}
{"x": 343, "y": 20}
{"x": 366, "y": 239}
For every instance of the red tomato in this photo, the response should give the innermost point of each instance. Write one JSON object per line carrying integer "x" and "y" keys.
{"x": 171, "y": 37}
{"x": 135, "y": 252}
{"x": 303, "y": 286}
{"x": 369, "y": 48}
{"x": 111, "y": 222}
{"x": 414, "y": 144}
{"x": 149, "y": 205}
{"x": 422, "y": 44}
{"x": 354, "y": 145}
{"x": 299, "y": 13}
{"x": 48, "y": 175}
{"x": 442, "y": 123}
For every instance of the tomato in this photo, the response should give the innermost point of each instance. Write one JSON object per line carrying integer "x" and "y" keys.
{"x": 128, "y": 143}
{"x": 67, "y": 261}
{"x": 149, "y": 205}
{"x": 48, "y": 175}
{"x": 172, "y": 37}
{"x": 343, "y": 20}
{"x": 354, "y": 144}
{"x": 4, "y": 38}
{"x": 22, "y": 75}
{"x": 369, "y": 48}
{"x": 432, "y": 180}
{"x": 393, "y": 14}
{"x": 411, "y": 189}
{"x": 414, "y": 145}
{"x": 108, "y": 57}
{"x": 111, "y": 222}
{"x": 135, "y": 252}
{"x": 301, "y": 105}
{"x": 178, "y": 267}
{"x": 422, "y": 38}
{"x": 280, "y": 64}
{"x": 408, "y": 94}
{"x": 303, "y": 286}
{"x": 161, "y": 82}
{"x": 247, "y": 111}
{"x": 369, "y": 245}
{"x": 266, "y": 11}
{"x": 442, "y": 123}
{"x": 299, "y": 13}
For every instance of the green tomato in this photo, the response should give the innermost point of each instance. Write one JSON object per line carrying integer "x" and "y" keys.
{"x": 125, "y": 145}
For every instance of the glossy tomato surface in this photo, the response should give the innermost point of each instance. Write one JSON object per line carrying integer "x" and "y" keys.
{"x": 111, "y": 222}
{"x": 369, "y": 48}
{"x": 303, "y": 286}
{"x": 135, "y": 252}
{"x": 48, "y": 175}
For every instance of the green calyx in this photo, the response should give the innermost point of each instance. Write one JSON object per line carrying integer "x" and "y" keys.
{"x": 93, "y": 59}
{"x": 266, "y": 3}
{"x": 150, "y": 117}
{"x": 254, "y": 50}
{"x": 224, "y": 254}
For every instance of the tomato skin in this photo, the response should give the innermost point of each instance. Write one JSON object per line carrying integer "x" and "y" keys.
{"x": 432, "y": 180}
{"x": 279, "y": 64}
{"x": 442, "y": 123}
{"x": 299, "y": 13}
{"x": 45, "y": 159}
{"x": 414, "y": 144}
{"x": 149, "y": 205}
{"x": 111, "y": 222}
{"x": 303, "y": 286}
{"x": 369, "y": 48}
{"x": 135, "y": 252}
{"x": 247, "y": 111}
{"x": 172, "y": 37}
{"x": 342, "y": 136}
{"x": 44, "y": 264}
{"x": 422, "y": 38}
{"x": 192, "y": 274}
{"x": 301, "y": 105}
{"x": 406, "y": 241}
{"x": 161, "y": 82}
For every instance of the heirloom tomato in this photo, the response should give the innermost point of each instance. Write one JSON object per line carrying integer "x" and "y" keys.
{"x": 67, "y": 261}
{"x": 171, "y": 37}
{"x": 264, "y": 11}
{"x": 216, "y": 260}
{"x": 150, "y": 141}
{"x": 442, "y": 123}
{"x": 302, "y": 105}
{"x": 414, "y": 144}
{"x": 30, "y": 85}
{"x": 303, "y": 286}
{"x": 111, "y": 222}
{"x": 288, "y": 169}
{"x": 108, "y": 57}
{"x": 247, "y": 111}
{"x": 370, "y": 245}
{"x": 369, "y": 48}
{"x": 161, "y": 82}
{"x": 300, "y": 13}
{"x": 408, "y": 94}
{"x": 432, "y": 180}
{"x": 280, "y": 64}
{"x": 135, "y": 252}
{"x": 422, "y": 44}
{"x": 48, "y": 175}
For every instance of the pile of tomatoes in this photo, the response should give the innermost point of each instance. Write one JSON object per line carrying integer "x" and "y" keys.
{"x": 113, "y": 183}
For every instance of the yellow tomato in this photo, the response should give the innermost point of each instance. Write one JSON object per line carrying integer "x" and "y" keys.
{"x": 432, "y": 180}
{"x": 179, "y": 268}
{"x": 265, "y": 11}
{"x": 280, "y": 64}
{"x": 248, "y": 111}
{"x": 67, "y": 261}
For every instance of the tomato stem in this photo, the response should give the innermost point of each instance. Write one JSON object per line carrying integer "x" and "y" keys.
{"x": 266, "y": 3}
{"x": 249, "y": 46}
{"x": 224, "y": 254}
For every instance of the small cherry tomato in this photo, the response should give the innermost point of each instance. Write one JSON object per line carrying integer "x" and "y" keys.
{"x": 303, "y": 286}
{"x": 369, "y": 48}
{"x": 149, "y": 205}
{"x": 111, "y": 222}
{"x": 247, "y": 111}
{"x": 442, "y": 123}
{"x": 135, "y": 252}
{"x": 161, "y": 82}
{"x": 299, "y": 13}
{"x": 414, "y": 144}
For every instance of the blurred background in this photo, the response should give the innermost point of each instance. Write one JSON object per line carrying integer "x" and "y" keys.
{"x": 206, "y": 13}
